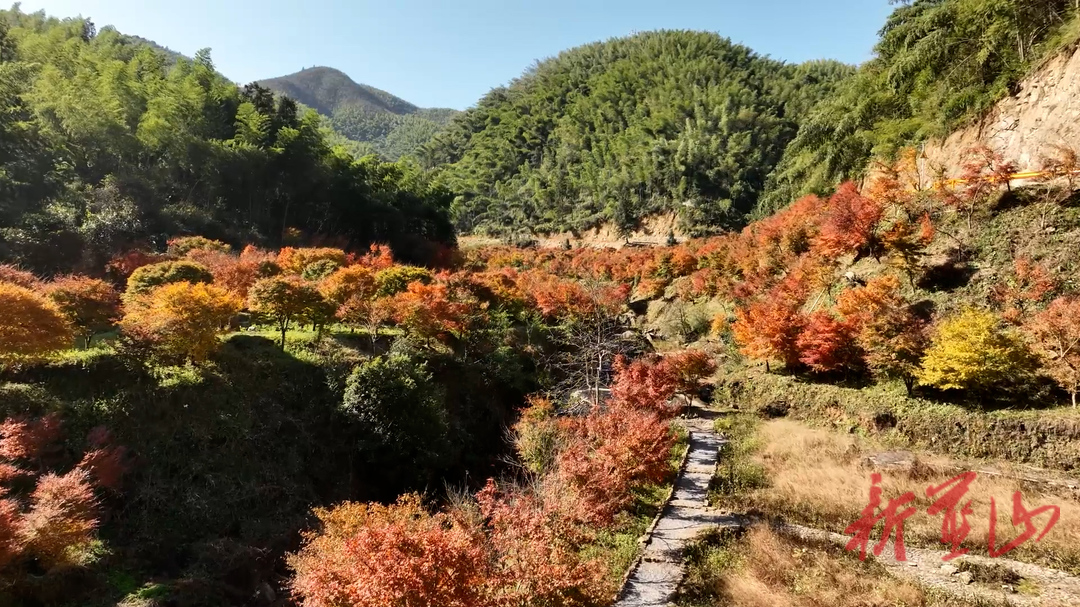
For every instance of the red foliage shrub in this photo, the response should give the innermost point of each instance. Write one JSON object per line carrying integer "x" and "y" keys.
{"x": 62, "y": 514}
{"x": 1056, "y": 333}
{"x": 400, "y": 555}
{"x": 26, "y": 439}
{"x": 1029, "y": 284}
{"x": 536, "y": 562}
{"x": 378, "y": 257}
{"x": 611, "y": 454}
{"x": 828, "y": 344}
{"x": 556, "y": 298}
{"x": 121, "y": 266}
{"x": 11, "y": 544}
{"x": 848, "y": 222}
{"x": 646, "y": 384}
{"x": 12, "y": 274}
{"x": 984, "y": 171}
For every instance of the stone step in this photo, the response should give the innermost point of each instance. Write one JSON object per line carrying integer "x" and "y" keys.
{"x": 657, "y": 576}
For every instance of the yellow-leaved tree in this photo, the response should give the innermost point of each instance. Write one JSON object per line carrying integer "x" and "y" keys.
{"x": 973, "y": 351}
{"x": 182, "y": 320}
{"x": 30, "y": 324}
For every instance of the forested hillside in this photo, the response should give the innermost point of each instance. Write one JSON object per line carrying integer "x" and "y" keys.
{"x": 241, "y": 366}
{"x": 110, "y": 143}
{"x": 614, "y": 131}
{"x": 391, "y": 126}
{"x": 937, "y": 64}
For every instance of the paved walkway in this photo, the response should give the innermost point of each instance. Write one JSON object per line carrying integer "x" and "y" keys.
{"x": 660, "y": 570}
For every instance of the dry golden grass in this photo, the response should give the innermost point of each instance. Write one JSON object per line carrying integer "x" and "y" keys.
{"x": 764, "y": 569}
{"x": 817, "y": 477}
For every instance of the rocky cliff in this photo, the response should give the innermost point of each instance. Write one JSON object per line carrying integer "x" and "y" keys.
{"x": 1024, "y": 128}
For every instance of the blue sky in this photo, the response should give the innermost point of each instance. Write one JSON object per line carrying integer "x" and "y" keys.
{"x": 446, "y": 53}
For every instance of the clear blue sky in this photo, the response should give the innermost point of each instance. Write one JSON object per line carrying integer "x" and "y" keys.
{"x": 448, "y": 53}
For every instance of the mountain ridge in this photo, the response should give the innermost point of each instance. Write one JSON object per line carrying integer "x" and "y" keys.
{"x": 390, "y": 125}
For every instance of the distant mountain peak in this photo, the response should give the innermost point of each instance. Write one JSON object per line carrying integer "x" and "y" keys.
{"x": 327, "y": 89}
{"x": 363, "y": 113}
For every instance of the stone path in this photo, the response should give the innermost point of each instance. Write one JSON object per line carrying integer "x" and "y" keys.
{"x": 659, "y": 572}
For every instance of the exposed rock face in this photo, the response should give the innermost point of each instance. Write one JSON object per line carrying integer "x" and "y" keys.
{"x": 1023, "y": 128}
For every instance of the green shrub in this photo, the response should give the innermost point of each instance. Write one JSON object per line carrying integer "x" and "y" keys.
{"x": 148, "y": 278}
{"x": 318, "y": 270}
{"x": 399, "y": 411}
{"x": 178, "y": 247}
{"x": 396, "y": 279}
{"x": 1041, "y": 438}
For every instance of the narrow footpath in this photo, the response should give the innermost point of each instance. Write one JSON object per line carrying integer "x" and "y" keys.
{"x": 657, "y": 575}
{"x": 659, "y": 571}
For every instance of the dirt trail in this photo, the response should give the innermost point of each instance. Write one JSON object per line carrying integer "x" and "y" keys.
{"x": 659, "y": 571}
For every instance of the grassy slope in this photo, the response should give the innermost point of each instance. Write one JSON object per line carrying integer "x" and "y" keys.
{"x": 761, "y": 568}
{"x": 816, "y": 477}
{"x": 230, "y": 458}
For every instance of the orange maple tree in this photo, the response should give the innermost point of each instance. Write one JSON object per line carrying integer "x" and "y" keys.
{"x": 284, "y": 300}
{"x": 609, "y": 455}
{"x": 690, "y": 368}
{"x": 769, "y": 328}
{"x": 428, "y": 311}
{"x": 90, "y": 305}
{"x": 293, "y": 261}
{"x": 347, "y": 283}
{"x": 181, "y": 320}
{"x": 892, "y": 337}
{"x": 31, "y": 325}
{"x": 1056, "y": 332}
{"x": 369, "y": 555}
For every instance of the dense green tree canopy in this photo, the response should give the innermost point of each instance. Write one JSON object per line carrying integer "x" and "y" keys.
{"x": 107, "y": 142}
{"x": 937, "y": 64}
{"x": 656, "y": 122}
